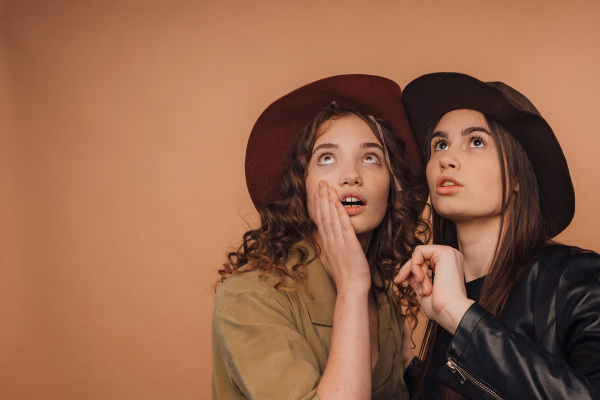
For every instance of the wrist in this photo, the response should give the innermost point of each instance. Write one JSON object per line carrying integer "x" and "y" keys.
{"x": 352, "y": 293}
{"x": 453, "y": 313}
{"x": 353, "y": 286}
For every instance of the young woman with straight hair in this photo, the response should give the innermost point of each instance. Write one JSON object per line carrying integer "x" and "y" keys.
{"x": 512, "y": 314}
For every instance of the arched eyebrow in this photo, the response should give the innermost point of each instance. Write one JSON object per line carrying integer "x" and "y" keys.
{"x": 365, "y": 145}
{"x": 369, "y": 145}
{"x": 325, "y": 146}
{"x": 465, "y": 132}
{"x": 468, "y": 131}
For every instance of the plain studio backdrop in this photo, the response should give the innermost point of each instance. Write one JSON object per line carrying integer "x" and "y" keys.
{"x": 123, "y": 130}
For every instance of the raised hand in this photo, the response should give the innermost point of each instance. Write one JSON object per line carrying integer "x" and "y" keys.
{"x": 348, "y": 369}
{"x": 342, "y": 253}
{"x": 445, "y": 298}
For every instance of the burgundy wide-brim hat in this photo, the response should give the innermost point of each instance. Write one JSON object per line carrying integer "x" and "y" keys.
{"x": 430, "y": 96}
{"x": 278, "y": 126}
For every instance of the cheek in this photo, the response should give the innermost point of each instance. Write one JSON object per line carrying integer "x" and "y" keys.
{"x": 382, "y": 186}
{"x": 313, "y": 177}
{"x": 493, "y": 179}
{"x": 310, "y": 205}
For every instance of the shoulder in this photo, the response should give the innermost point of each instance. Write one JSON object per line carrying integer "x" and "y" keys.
{"x": 248, "y": 301}
{"x": 561, "y": 254}
{"x": 559, "y": 271}
{"x": 561, "y": 260}
{"x": 305, "y": 275}
{"x": 256, "y": 285}
{"x": 575, "y": 274}
{"x": 244, "y": 285}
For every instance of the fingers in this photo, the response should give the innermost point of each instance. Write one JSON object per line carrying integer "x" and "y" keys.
{"x": 334, "y": 214}
{"x": 420, "y": 267}
{"x": 319, "y": 218}
{"x": 343, "y": 221}
{"x": 403, "y": 274}
{"x": 406, "y": 275}
{"x": 416, "y": 272}
{"x": 327, "y": 218}
{"x": 342, "y": 254}
{"x": 415, "y": 266}
{"x": 332, "y": 219}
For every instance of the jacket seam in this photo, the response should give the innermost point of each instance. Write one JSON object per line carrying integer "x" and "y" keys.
{"x": 469, "y": 338}
{"x": 547, "y": 328}
{"x": 557, "y": 302}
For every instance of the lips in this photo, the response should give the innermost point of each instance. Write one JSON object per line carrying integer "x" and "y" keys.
{"x": 353, "y": 203}
{"x": 447, "y": 184}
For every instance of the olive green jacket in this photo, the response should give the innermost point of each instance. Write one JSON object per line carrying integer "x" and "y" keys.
{"x": 273, "y": 344}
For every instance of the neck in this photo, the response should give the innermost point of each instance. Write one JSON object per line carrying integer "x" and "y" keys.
{"x": 477, "y": 241}
{"x": 364, "y": 240}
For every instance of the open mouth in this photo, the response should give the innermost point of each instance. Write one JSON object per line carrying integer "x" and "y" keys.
{"x": 448, "y": 183}
{"x": 352, "y": 202}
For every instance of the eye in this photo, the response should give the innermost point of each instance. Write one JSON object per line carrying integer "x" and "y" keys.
{"x": 477, "y": 141}
{"x": 439, "y": 144}
{"x": 372, "y": 159}
{"x": 326, "y": 158}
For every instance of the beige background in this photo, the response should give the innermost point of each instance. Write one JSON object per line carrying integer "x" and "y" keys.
{"x": 123, "y": 128}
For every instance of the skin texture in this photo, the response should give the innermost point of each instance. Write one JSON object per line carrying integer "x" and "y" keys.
{"x": 464, "y": 154}
{"x": 348, "y": 370}
{"x": 348, "y": 159}
{"x": 461, "y": 151}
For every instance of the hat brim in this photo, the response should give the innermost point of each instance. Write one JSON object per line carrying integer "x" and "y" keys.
{"x": 278, "y": 126}
{"x": 429, "y": 97}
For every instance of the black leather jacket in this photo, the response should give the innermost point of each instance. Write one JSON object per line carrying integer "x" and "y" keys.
{"x": 546, "y": 343}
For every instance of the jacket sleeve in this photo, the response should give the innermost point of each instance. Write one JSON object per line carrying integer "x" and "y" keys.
{"x": 258, "y": 349}
{"x": 487, "y": 360}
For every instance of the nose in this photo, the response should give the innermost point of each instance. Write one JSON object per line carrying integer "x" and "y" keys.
{"x": 350, "y": 176}
{"x": 448, "y": 160}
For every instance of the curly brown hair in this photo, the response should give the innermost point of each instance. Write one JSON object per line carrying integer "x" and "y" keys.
{"x": 285, "y": 222}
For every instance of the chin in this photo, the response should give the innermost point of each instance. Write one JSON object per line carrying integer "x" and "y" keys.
{"x": 360, "y": 228}
{"x": 447, "y": 210}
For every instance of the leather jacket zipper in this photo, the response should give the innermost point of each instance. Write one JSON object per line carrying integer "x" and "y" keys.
{"x": 465, "y": 376}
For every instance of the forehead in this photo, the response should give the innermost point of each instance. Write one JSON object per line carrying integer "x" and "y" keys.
{"x": 346, "y": 129}
{"x": 459, "y": 119}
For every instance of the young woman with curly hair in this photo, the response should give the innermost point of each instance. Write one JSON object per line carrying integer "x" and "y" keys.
{"x": 306, "y": 308}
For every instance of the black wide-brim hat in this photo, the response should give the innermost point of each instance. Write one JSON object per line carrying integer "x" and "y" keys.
{"x": 278, "y": 126}
{"x": 429, "y": 97}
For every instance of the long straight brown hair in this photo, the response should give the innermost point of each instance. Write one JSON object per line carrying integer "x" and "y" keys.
{"x": 523, "y": 231}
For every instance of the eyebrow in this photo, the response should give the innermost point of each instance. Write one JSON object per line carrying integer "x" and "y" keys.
{"x": 465, "y": 132}
{"x": 365, "y": 145}
{"x": 369, "y": 145}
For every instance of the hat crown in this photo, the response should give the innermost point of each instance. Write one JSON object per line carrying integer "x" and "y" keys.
{"x": 430, "y": 96}
{"x": 280, "y": 123}
{"x": 515, "y": 97}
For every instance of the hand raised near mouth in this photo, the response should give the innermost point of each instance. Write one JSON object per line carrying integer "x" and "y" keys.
{"x": 341, "y": 252}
